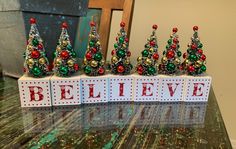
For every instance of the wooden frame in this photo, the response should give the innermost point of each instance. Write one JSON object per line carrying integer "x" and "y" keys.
{"x": 107, "y": 6}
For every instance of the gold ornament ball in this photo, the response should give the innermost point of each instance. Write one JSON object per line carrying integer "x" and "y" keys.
{"x": 114, "y": 59}
{"x": 186, "y": 61}
{"x": 102, "y": 62}
{"x": 164, "y": 60}
{"x": 58, "y": 61}
{"x": 151, "y": 49}
{"x": 124, "y": 45}
{"x": 64, "y": 43}
{"x": 199, "y": 62}
{"x": 70, "y": 63}
{"x": 94, "y": 63}
{"x": 42, "y": 60}
{"x": 139, "y": 59}
{"x": 58, "y": 49}
{"x": 85, "y": 61}
{"x": 30, "y": 62}
{"x": 148, "y": 61}
{"x": 98, "y": 43}
{"x": 177, "y": 61}
{"x": 30, "y": 48}
{"x": 127, "y": 61}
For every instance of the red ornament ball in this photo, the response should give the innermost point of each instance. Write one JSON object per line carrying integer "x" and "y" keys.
{"x": 76, "y": 67}
{"x": 200, "y": 51}
{"x": 203, "y": 57}
{"x": 193, "y": 46}
{"x": 155, "y": 56}
{"x": 120, "y": 69}
{"x": 64, "y": 55}
{"x": 191, "y": 69}
{"x": 175, "y": 40}
{"x": 126, "y": 39}
{"x": 94, "y": 50}
{"x": 92, "y": 24}
{"x": 40, "y": 46}
{"x": 140, "y": 70}
{"x": 64, "y": 25}
{"x": 122, "y": 24}
{"x": 170, "y": 54}
{"x": 152, "y": 43}
{"x": 184, "y": 55}
{"x": 173, "y": 46}
{"x": 101, "y": 70}
{"x": 50, "y": 66}
{"x": 181, "y": 67}
{"x": 32, "y": 20}
{"x": 155, "y": 26}
{"x": 175, "y": 29}
{"x": 35, "y": 54}
{"x": 195, "y": 28}
{"x": 128, "y": 53}
{"x": 113, "y": 52}
{"x": 88, "y": 56}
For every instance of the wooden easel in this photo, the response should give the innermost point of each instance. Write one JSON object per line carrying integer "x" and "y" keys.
{"x": 107, "y": 6}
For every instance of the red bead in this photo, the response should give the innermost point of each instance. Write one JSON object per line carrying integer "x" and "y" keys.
{"x": 64, "y": 55}
{"x": 35, "y": 54}
{"x": 101, "y": 70}
{"x": 155, "y": 26}
{"x": 152, "y": 43}
{"x": 181, "y": 67}
{"x": 113, "y": 52}
{"x": 195, "y": 28}
{"x": 64, "y": 25}
{"x": 203, "y": 57}
{"x": 184, "y": 55}
{"x": 126, "y": 39}
{"x": 92, "y": 24}
{"x": 170, "y": 54}
{"x": 173, "y": 46}
{"x": 76, "y": 67}
{"x": 200, "y": 51}
{"x": 175, "y": 40}
{"x": 32, "y": 20}
{"x": 191, "y": 69}
{"x": 40, "y": 46}
{"x": 155, "y": 56}
{"x": 94, "y": 50}
{"x": 50, "y": 66}
{"x": 140, "y": 70}
{"x": 128, "y": 53}
{"x": 116, "y": 38}
{"x": 24, "y": 69}
{"x": 122, "y": 24}
{"x": 88, "y": 56}
{"x": 175, "y": 29}
{"x": 193, "y": 46}
{"x": 120, "y": 69}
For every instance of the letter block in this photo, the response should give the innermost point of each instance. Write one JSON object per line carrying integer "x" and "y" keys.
{"x": 197, "y": 88}
{"x": 172, "y": 88}
{"x": 35, "y": 92}
{"x": 146, "y": 88}
{"x": 94, "y": 89}
{"x": 120, "y": 88}
{"x": 65, "y": 91}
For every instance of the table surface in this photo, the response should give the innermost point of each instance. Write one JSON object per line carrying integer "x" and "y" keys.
{"x": 113, "y": 125}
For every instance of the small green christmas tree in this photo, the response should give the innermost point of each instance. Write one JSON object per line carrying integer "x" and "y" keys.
{"x": 148, "y": 61}
{"x": 194, "y": 59}
{"x": 36, "y": 63}
{"x": 171, "y": 56}
{"x": 93, "y": 61}
{"x": 120, "y": 61}
{"x": 65, "y": 63}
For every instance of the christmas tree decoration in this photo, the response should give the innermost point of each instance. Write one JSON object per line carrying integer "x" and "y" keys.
{"x": 120, "y": 60}
{"x": 94, "y": 61}
{"x": 148, "y": 61}
{"x": 194, "y": 59}
{"x": 170, "y": 62}
{"x": 65, "y": 63}
{"x": 36, "y": 63}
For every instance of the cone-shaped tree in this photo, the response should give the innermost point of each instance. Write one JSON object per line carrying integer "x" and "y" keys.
{"x": 194, "y": 59}
{"x": 120, "y": 60}
{"x": 65, "y": 63}
{"x": 170, "y": 61}
{"x": 36, "y": 63}
{"x": 94, "y": 61}
{"x": 148, "y": 61}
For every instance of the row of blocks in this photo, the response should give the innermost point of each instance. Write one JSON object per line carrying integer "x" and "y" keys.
{"x": 80, "y": 89}
{"x": 105, "y": 116}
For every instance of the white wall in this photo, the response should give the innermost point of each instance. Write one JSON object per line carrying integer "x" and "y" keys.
{"x": 217, "y": 29}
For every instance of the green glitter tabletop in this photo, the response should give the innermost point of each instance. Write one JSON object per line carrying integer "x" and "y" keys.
{"x": 113, "y": 125}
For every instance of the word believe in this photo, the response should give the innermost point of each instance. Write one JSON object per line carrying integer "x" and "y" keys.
{"x": 53, "y": 91}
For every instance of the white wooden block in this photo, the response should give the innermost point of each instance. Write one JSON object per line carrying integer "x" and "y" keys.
{"x": 34, "y": 92}
{"x": 65, "y": 91}
{"x": 120, "y": 88}
{"x": 147, "y": 88}
{"x": 197, "y": 88}
{"x": 172, "y": 88}
{"x": 94, "y": 89}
